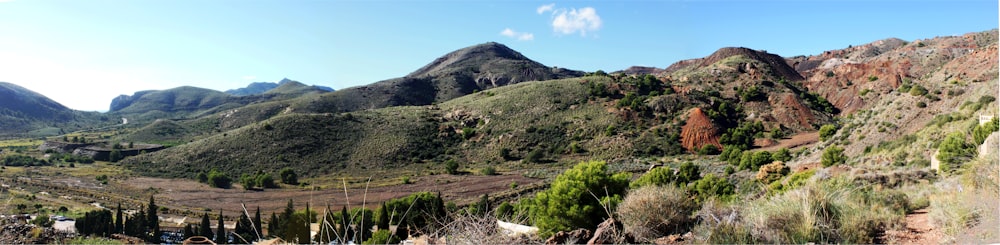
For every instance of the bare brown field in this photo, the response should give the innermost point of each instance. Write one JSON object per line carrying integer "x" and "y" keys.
{"x": 196, "y": 197}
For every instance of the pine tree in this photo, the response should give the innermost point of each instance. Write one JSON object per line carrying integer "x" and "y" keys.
{"x": 220, "y": 231}
{"x": 205, "y": 229}
{"x": 119, "y": 220}
{"x": 287, "y": 230}
{"x": 402, "y": 231}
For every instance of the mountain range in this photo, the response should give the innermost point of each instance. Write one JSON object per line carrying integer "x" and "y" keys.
{"x": 490, "y": 105}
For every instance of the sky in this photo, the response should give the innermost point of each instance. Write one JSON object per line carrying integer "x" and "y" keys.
{"x": 84, "y": 53}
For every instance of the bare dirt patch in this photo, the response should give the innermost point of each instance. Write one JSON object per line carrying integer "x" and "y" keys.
{"x": 798, "y": 140}
{"x": 197, "y": 197}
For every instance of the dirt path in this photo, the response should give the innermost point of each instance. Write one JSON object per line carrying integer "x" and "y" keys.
{"x": 795, "y": 141}
{"x": 919, "y": 230}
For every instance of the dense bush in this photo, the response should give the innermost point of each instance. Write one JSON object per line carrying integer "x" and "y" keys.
{"x": 219, "y": 180}
{"x": 833, "y": 155}
{"x": 826, "y": 131}
{"x": 451, "y": 166}
{"x": 652, "y": 212}
{"x": 23, "y": 160}
{"x": 713, "y": 186}
{"x": 980, "y": 133}
{"x": 570, "y": 201}
{"x": 288, "y": 176}
{"x": 953, "y": 151}
{"x": 753, "y": 160}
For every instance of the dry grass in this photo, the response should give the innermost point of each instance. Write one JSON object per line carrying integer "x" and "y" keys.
{"x": 651, "y": 212}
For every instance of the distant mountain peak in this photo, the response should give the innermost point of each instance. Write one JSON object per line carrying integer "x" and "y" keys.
{"x": 472, "y": 54}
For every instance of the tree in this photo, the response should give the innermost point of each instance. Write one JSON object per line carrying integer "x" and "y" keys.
{"x": 288, "y": 176}
{"x": 383, "y": 218}
{"x": 451, "y": 166}
{"x": 274, "y": 226}
{"x": 833, "y": 155}
{"x": 153, "y": 221}
{"x": 257, "y": 224}
{"x": 482, "y": 206}
{"x": 188, "y": 231}
{"x": 781, "y": 155}
{"x": 327, "y": 228}
{"x": 219, "y": 180}
{"x": 244, "y": 230}
{"x": 119, "y": 220}
{"x": 220, "y": 231}
{"x": 570, "y": 201}
{"x": 953, "y": 151}
{"x": 205, "y": 229}
{"x": 826, "y": 131}
{"x": 345, "y": 223}
{"x": 202, "y": 177}
{"x": 95, "y": 223}
{"x": 248, "y": 181}
{"x": 115, "y": 155}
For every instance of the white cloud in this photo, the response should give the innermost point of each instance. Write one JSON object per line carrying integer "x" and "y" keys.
{"x": 520, "y": 36}
{"x": 576, "y": 20}
{"x": 545, "y": 8}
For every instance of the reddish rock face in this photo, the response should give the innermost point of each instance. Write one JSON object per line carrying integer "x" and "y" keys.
{"x": 699, "y": 131}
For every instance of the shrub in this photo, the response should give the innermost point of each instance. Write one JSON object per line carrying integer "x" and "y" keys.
{"x": 954, "y": 150}
{"x": 535, "y": 156}
{"x": 288, "y": 176}
{"x": 833, "y": 155}
{"x": 488, "y": 171}
{"x": 772, "y": 172}
{"x": 382, "y": 237}
{"x": 918, "y": 90}
{"x": 826, "y": 131}
{"x": 219, "y": 180}
{"x": 713, "y": 186}
{"x": 753, "y": 160}
{"x": 980, "y": 133}
{"x": 708, "y": 149}
{"x": 652, "y": 212}
{"x": 570, "y": 201}
{"x": 655, "y": 177}
{"x": 921, "y": 104}
{"x": 781, "y": 155}
{"x": 451, "y": 166}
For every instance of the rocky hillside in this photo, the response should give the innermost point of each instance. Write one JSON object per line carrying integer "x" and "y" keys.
{"x": 906, "y": 94}
{"x": 453, "y": 75}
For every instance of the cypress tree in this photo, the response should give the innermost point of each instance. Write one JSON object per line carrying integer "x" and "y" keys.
{"x": 274, "y": 226}
{"x": 220, "y": 231}
{"x": 188, "y": 231}
{"x": 153, "y": 221}
{"x": 383, "y": 218}
{"x": 205, "y": 229}
{"x": 244, "y": 229}
{"x": 303, "y": 232}
{"x": 257, "y": 224}
{"x": 119, "y": 220}
{"x": 345, "y": 222}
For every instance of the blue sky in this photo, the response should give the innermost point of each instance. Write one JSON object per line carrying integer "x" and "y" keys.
{"x": 84, "y": 53}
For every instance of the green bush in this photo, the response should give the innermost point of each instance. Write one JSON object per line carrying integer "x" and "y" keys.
{"x": 953, "y": 151}
{"x": 382, "y": 237}
{"x": 288, "y": 176}
{"x": 833, "y": 155}
{"x": 652, "y": 212}
{"x": 219, "y": 180}
{"x": 488, "y": 171}
{"x": 708, "y": 149}
{"x": 753, "y": 160}
{"x": 782, "y": 155}
{"x": 980, "y": 133}
{"x": 655, "y": 177}
{"x": 451, "y": 166}
{"x": 570, "y": 201}
{"x": 918, "y": 90}
{"x": 826, "y": 131}
{"x": 713, "y": 186}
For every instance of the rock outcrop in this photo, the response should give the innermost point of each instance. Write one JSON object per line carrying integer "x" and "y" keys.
{"x": 699, "y": 131}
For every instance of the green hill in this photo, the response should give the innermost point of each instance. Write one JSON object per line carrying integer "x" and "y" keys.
{"x": 25, "y": 113}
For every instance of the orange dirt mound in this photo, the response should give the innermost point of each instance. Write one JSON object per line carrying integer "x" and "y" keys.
{"x": 699, "y": 131}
